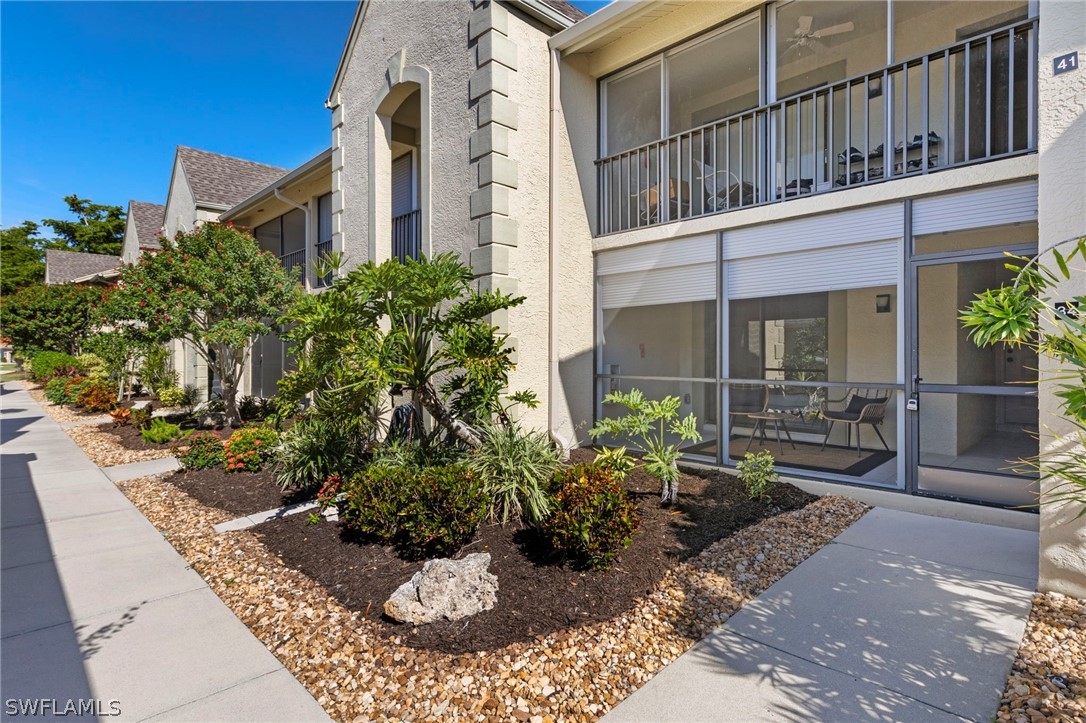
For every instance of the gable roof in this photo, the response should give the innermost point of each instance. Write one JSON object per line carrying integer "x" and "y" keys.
{"x": 557, "y": 14}
{"x": 223, "y": 181}
{"x": 148, "y": 219}
{"x": 62, "y": 267}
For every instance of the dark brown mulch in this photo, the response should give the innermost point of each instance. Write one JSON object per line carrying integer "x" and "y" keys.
{"x": 536, "y": 594}
{"x": 130, "y": 401}
{"x": 130, "y": 438}
{"x": 240, "y": 493}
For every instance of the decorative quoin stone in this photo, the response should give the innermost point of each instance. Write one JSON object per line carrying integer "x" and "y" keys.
{"x": 445, "y": 590}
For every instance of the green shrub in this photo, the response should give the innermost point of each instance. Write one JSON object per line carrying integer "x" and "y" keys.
{"x": 154, "y": 371}
{"x": 204, "y": 450}
{"x": 315, "y": 448}
{"x": 425, "y": 510}
{"x": 249, "y": 448}
{"x": 161, "y": 432}
{"x": 592, "y": 517}
{"x": 47, "y": 364}
{"x": 74, "y": 388}
{"x": 516, "y": 468}
{"x": 97, "y": 396}
{"x": 413, "y": 454}
{"x": 56, "y": 390}
{"x": 253, "y": 409}
{"x": 171, "y": 396}
{"x": 92, "y": 366}
{"x": 758, "y": 474}
{"x": 140, "y": 417}
{"x": 655, "y": 427}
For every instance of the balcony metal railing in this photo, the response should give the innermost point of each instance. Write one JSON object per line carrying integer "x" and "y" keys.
{"x": 322, "y": 251}
{"x": 294, "y": 260}
{"x": 970, "y": 102}
{"x": 407, "y": 235}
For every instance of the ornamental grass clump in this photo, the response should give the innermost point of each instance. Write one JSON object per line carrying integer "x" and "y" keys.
{"x": 516, "y": 468}
{"x": 425, "y": 511}
{"x": 592, "y": 516}
{"x": 249, "y": 449}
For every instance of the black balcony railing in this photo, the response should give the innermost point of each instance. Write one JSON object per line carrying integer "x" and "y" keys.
{"x": 407, "y": 235}
{"x": 323, "y": 250}
{"x": 970, "y": 102}
{"x": 294, "y": 260}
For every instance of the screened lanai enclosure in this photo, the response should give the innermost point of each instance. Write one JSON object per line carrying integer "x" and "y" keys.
{"x": 833, "y": 342}
{"x": 812, "y": 96}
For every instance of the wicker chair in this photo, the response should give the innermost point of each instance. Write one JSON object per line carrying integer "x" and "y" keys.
{"x": 858, "y": 406}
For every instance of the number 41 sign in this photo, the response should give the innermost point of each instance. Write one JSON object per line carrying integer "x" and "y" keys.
{"x": 1065, "y": 63}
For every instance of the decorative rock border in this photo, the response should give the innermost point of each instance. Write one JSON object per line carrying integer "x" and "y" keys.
{"x": 355, "y": 670}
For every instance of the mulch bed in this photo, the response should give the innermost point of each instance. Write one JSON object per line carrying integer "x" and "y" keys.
{"x": 130, "y": 438}
{"x": 537, "y": 595}
{"x": 239, "y": 493}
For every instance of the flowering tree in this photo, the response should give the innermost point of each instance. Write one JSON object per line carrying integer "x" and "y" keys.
{"x": 212, "y": 287}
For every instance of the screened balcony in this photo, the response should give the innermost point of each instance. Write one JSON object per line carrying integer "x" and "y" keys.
{"x": 967, "y": 102}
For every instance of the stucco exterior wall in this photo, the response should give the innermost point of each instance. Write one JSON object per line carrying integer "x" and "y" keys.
{"x": 130, "y": 248}
{"x": 181, "y": 211}
{"x": 434, "y": 39}
{"x": 574, "y": 215}
{"x": 1061, "y": 215}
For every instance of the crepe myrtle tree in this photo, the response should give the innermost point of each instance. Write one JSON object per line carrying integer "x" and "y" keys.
{"x": 212, "y": 287}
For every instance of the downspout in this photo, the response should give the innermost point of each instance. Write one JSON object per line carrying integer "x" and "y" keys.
{"x": 553, "y": 376}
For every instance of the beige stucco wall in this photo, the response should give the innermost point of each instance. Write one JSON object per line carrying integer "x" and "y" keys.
{"x": 574, "y": 216}
{"x": 434, "y": 38}
{"x": 1062, "y": 214}
{"x": 130, "y": 248}
{"x": 181, "y": 213}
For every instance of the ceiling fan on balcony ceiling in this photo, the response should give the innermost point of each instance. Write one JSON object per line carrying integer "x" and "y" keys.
{"x": 803, "y": 37}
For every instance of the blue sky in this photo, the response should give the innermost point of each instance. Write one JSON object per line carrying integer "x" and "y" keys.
{"x": 96, "y": 95}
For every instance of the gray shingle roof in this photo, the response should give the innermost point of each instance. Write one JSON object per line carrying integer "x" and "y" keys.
{"x": 148, "y": 218}
{"x": 62, "y": 267}
{"x": 223, "y": 180}
{"x": 570, "y": 11}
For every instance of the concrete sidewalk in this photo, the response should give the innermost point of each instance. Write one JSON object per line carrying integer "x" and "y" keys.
{"x": 903, "y": 617}
{"x": 97, "y": 605}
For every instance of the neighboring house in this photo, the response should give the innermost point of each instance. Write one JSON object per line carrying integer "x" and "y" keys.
{"x": 76, "y": 267}
{"x": 758, "y": 207}
{"x": 292, "y": 218}
{"x": 202, "y": 186}
{"x": 142, "y": 229}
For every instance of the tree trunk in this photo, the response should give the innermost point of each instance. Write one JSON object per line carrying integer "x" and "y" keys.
{"x": 228, "y": 369}
{"x": 669, "y": 492}
{"x": 453, "y": 426}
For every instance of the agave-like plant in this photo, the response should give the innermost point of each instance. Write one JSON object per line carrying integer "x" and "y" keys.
{"x": 516, "y": 466}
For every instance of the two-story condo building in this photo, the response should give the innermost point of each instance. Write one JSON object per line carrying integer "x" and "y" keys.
{"x": 773, "y": 210}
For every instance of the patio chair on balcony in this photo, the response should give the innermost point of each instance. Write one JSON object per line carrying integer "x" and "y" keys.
{"x": 856, "y": 408}
{"x": 720, "y": 191}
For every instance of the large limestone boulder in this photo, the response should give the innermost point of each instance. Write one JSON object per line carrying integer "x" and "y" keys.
{"x": 445, "y": 590}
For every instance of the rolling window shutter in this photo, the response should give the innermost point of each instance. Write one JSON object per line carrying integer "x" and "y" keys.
{"x": 841, "y": 267}
{"x": 402, "y": 185}
{"x": 976, "y": 209}
{"x": 668, "y": 272}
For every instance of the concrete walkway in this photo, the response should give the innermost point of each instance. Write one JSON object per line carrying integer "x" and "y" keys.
{"x": 903, "y": 617}
{"x": 95, "y": 604}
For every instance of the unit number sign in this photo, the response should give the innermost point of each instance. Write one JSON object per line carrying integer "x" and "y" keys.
{"x": 1065, "y": 63}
